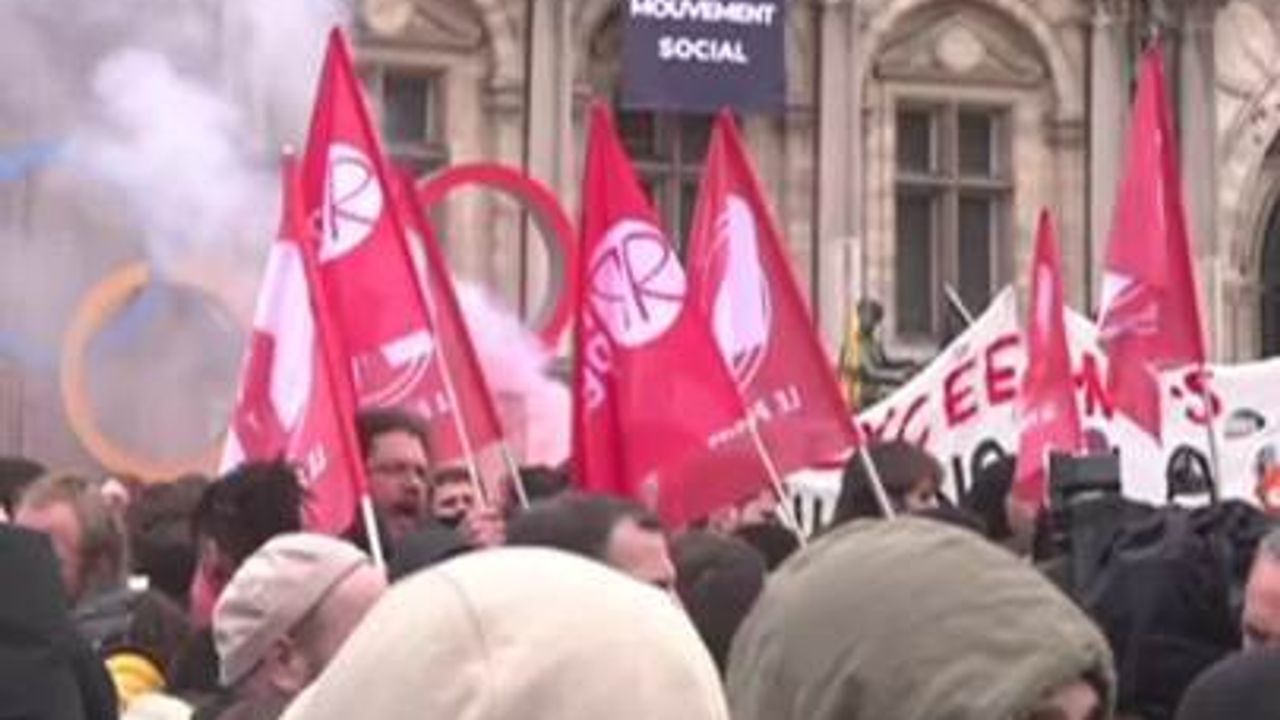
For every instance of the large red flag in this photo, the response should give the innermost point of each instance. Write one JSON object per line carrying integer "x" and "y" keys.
{"x": 467, "y": 387}
{"x": 289, "y": 405}
{"x": 1149, "y": 317}
{"x": 652, "y": 400}
{"x": 741, "y": 280}
{"x": 1047, "y": 407}
{"x": 366, "y": 270}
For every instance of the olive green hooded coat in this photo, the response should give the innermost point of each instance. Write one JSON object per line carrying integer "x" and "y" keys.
{"x": 909, "y": 620}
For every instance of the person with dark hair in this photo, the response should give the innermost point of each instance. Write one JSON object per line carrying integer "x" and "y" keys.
{"x": 159, "y": 524}
{"x": 1244, "y": 686}
{"x": 428, "y": 546}
{"x": 453, "y": 502}
{"x": 988, "y": 496}
{"x": 397, "y": 461}
{"x": 543, "y": 483}
{"x": 451, "y": 496}
{"x": 912, "y": 481}
{"x": 236, "y": 515}
{"x": 16, "y": 473}
{"x": 774, "y": 542}
{"x": 718, "y": 579}
{"x": 616, "y": 532}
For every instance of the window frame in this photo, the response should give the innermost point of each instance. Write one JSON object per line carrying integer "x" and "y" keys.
{"x": 947, "y": 183}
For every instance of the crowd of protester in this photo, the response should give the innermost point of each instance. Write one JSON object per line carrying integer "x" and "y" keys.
{"x": 206, "y": 598}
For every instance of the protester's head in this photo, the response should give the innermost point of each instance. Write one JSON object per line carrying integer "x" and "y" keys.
{"x": 451, "y": 496}
{"x": 718, "y": 581}
{"x": 397, "y": 460}
{"x": 774, "y": 542}
{"x": 870, "y": 315}
{"x": 244, "y": 509}
{"x": 543, "y": 483}
{"x": 160, "y": 533}
{"x": 87, "y": 537}
{"x": 617, "y": 532}
{"x": 1261, "y": 619}
{"x": 987, "y": 497}
{"x": 914, "y": 620}
{"x": 519, "y": 634}
{"x": 912, "y": 479}
{"x": 288, "y": 610}
{"x": 16, "y": 473}
{"x": 1245, "y": 686}
{"x": 429, "y": 545}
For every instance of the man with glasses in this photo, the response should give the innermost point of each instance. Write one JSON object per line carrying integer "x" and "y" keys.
{"x": 397, "y": 461}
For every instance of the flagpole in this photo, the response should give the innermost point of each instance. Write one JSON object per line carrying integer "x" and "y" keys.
{"x": 786, "y": 512}
{"x": 877, "y": 484}
{"x": 517, "y": 480}
{"x": 455, "y": 410}
{"x": 446, "y": 375}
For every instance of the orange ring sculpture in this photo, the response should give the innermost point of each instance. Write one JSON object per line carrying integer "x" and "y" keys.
{"x": 97, "y": 306}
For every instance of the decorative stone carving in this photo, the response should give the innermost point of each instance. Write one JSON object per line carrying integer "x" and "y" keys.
{"x": 971, "y": 45}
{"x": 453, "y": 25}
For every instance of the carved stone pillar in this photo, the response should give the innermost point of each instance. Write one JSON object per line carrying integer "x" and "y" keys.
{"x": 1198, "y": 134}
{"x": 838, "y": 191}
{"x": 1108, "y": 118}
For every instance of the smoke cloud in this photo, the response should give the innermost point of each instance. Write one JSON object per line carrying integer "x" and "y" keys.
{"x": 167, "y": 116}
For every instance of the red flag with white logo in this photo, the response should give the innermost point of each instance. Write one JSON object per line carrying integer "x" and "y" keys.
{"x": 652, "y": 399}
{"x": 740, "y": 277}
{"x": 365, "y": 267}
{"x": 1149, "y": 320}
{"x": 1049, "y": 416}
{"x": 289, "y": 406}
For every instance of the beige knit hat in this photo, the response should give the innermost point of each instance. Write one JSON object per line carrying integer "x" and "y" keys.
{"x": 272, "y": 591}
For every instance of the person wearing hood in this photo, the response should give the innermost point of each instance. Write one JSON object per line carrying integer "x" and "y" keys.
{"x": 46, "y": 669}
{"x": 519, "y": 634}
{"x": 912, "y": 620}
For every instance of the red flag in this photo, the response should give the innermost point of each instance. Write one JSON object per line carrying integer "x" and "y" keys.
{"x": 1047, "y": 407}
{"x": 289, "y": 405}
{"x": 366, "y": 271}
{"x": 741, "y": 279}
{"x": 651, "y": 396}
{"x": 467, "y": 386}
{"x": 1149, "y": 318}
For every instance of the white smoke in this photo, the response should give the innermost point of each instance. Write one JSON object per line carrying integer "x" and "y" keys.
{"x": 515, "y": 363}
{"x": 170, "y": 115}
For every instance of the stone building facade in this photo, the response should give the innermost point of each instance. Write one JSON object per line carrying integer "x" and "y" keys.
{"x": 919, "y": 141}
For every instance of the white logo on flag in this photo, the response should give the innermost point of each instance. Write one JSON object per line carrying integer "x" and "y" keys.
{"x": 637, "y": 286}
{"x": 394, "y": 374}
{"x": 353, "y": 201}
{"x": 743, "y": 311}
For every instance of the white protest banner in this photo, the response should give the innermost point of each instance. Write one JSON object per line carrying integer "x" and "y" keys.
{"x": 962, "y": 409}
